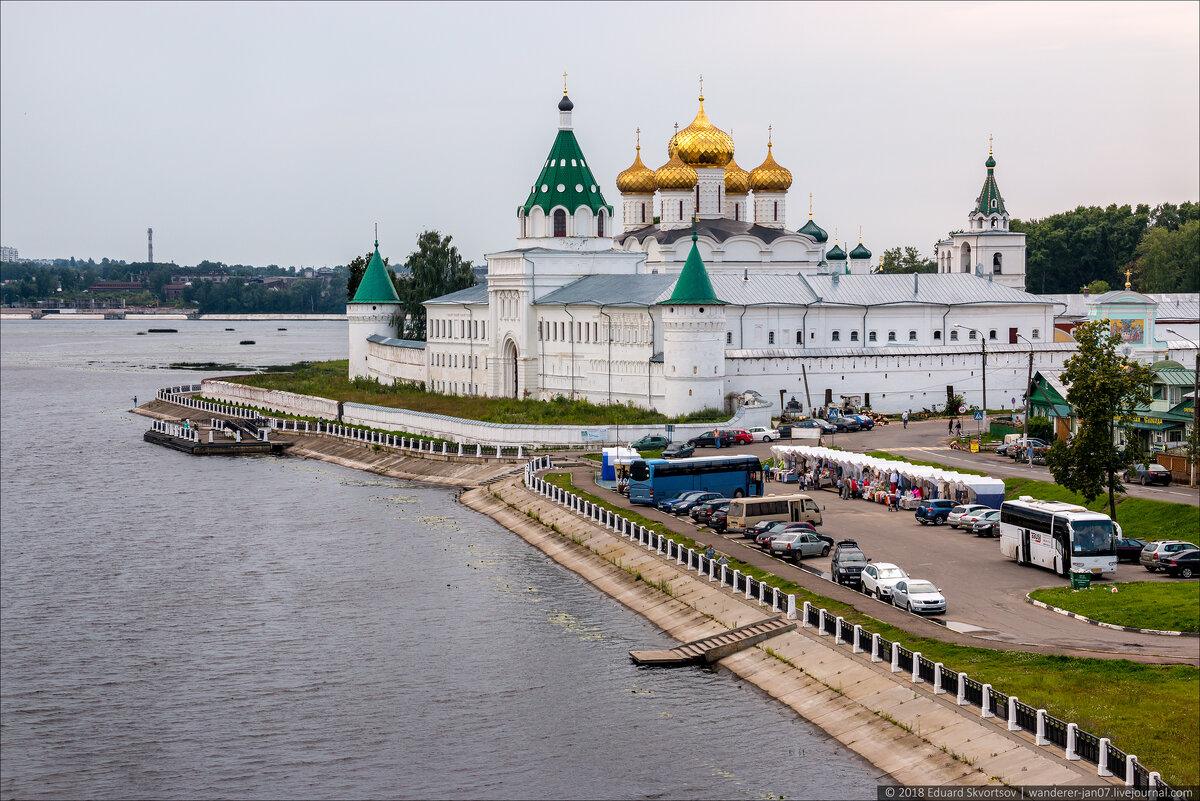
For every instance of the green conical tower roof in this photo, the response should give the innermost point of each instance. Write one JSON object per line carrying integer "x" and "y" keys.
{"x": 693, "y": 287}
{"x": 565, "y": 179}
{"x": 376, "y": 285}
{"x": 990, "y": 192}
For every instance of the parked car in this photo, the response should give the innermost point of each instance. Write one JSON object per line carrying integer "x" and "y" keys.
{"x": 987, "y": 524}
{"x": 764, "y": 535}
{"x": 719, "y": 520}
{"x": 764, "y": 434}
{"x": 846, "y": 424}
{"x": 1129, "y": 549}
{"x": 1184, "y": 564}
{"x": 796, "y": 545}
{"x": 742, "y": 437}
{"x": 1155, "y": 552}
{"x": 918, "y": 595}
{"x": 785, "y": 429}
{"x": 934, "y": 510}
{"x": 956, "y": 515}
{"x": 847, "y": 563}
{"x": 701, "y": 512}
{"x": 764, "y": 526}
{"x": 668, "y": 503}
{"x": 1149, "y": 474}
{"x": 678, "y": 450}
{"x": 1006, "y": 448}
{"x": 810, "y": 528}
{"x": 709, "y": 439}
{"x": 650, "y": 442}
{"x": 879, "y": 578}
{"x": 865, "y": 420}
{"x": 685, "y": 505}
{"x": 1019, "y": 451}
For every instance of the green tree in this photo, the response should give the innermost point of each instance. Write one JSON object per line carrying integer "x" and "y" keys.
{"x": 1168, "y": 260}
{"x": 1097, "y": 287}
{"x": 1101, "y": 387}
{"x": 435, "y": 269}
{"x": 357, "y": 267}
{"x": 906, "y": 260}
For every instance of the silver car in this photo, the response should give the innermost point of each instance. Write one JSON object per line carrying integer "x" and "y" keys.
{"x": 958, "y": 512}
{"x": 878, "y": 579}
{"x": 918, "y": 595}
{"x": 987, "y": 524}
{"x": 798, "y": 544}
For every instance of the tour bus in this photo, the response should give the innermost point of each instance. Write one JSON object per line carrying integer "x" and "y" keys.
{"x": 1060, "y": 536}
{"x": 655, "y": 480}
{"x": 743, "y": 515}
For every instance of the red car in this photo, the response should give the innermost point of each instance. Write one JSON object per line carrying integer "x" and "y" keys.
{"x": 742, "y": 437}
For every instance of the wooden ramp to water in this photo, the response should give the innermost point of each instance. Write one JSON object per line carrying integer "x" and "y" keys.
{"x": 718, "y": 646}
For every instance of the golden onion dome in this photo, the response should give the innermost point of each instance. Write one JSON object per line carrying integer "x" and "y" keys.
{"x": 675, "y": 175}
{"x": 703, "y": 144}
{"x": 737, "y": 180}
{"x": 769, "y": 176}
{"x": 638, "y": 179}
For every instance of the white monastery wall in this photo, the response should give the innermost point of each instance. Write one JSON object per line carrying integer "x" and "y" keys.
{"x": 272, "y": 400}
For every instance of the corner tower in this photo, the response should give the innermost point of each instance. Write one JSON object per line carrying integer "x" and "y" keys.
{"x": 370, "y": 312}
{"x": 693, "y": 320}
{"x": 565, "y": 205}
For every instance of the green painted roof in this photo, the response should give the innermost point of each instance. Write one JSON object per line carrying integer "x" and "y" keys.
{"x": 860, "y": 252}
{"x": 990, "y": 192}
{"x": 376, "y": 285}
{"x": 836, "y": 252}
{"x": 566, "y": 180}
{"x": 693, "y": 287}
{"x": 815, "y": 231}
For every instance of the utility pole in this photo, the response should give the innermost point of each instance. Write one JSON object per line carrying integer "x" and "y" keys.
{"x": 150, "y": 245}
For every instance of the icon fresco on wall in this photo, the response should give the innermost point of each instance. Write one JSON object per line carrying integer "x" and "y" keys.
{"x": 1131, "y": 332}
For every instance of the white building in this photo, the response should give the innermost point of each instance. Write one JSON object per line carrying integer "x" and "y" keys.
{"x": 681, "y": 313}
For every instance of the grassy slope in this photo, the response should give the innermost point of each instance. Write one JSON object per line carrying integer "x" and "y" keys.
{"x": 1167, "y": 606}
{"x": 1109, "y": 698}
{"x": 328, "y": 380}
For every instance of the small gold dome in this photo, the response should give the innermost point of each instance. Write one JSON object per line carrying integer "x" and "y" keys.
{"x": 769, "y": 176}
{"x": 638, "y": 179}
{"x": 675, "y": 175}
{"x": 737, "y": 180}
{"x": 703, "y": 144}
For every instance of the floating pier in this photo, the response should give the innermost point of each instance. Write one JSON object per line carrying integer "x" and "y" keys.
{"x": 716, "y": 647}
{"x": 219, "y": 438}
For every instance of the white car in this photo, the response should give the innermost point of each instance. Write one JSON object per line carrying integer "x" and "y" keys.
{"x": 968, "y": 520}
{"x": 878, "y": 578}
{"x": 918, "y": 595}
{"x": 957, "y": 513}
{"x": 762, "y": 434}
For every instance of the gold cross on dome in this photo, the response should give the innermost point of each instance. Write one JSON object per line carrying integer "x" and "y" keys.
{"x": 639, "y": 138}
{"x": 769, "y": 134}
{"x": 701, "y": 87}
{"x": 989, "y": 144}
{"x": 564, "y": 83}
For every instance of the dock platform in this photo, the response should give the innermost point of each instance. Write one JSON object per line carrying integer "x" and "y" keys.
{"x": 716, "y": 647}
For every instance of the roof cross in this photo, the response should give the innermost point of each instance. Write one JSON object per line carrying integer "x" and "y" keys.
{"x": 989, "y": 144}
{"x": 564, "y": 83}
{"x": 701, "y": 88}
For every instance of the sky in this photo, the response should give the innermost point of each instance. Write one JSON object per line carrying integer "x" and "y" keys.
{"x": 282, "y": 133}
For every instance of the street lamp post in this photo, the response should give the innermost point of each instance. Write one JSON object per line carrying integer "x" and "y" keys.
{"x": 1195, "y": 397}
{"x": 1028, "y": 383}
{"x": 983, "y": 372}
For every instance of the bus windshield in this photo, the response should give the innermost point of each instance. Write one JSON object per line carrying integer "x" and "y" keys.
{"x": 1092, "y": 538}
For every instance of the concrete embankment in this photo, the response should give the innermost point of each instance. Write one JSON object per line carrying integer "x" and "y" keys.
{"x": 902, "y": 728}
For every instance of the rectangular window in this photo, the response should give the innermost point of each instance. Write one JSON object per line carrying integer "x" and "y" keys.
{"x": 770, "y": 337}
{"x": 1012, "y": 336}
{"x": 972, "y": 334}
{"x": 728, "y": 337}
{"x": 953, "y": 336}
{"x": 1037, "y": 333}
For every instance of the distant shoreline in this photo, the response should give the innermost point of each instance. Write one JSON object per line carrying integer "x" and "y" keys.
{"x": 104, "y": 314}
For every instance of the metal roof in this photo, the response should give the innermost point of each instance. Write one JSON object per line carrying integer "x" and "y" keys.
{"x": 717, "y": 230}
{"x": 763, "y": 289}
{"x": 939, "y": 289}
{"x": 612, "y": 290}
{"x": 884, "y": 349}
{"x": 1175, "y": 377}
{"x": 472, "y": 294}
{"x": 1181, "y": 306}
{"x": 397, "y": 343}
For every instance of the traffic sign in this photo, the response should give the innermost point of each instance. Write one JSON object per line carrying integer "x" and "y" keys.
{"x": 978, "y": 415}
{"x": 962, "y": 409}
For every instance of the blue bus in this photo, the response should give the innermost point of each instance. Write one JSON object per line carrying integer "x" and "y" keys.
{"x": 655, "y": 480}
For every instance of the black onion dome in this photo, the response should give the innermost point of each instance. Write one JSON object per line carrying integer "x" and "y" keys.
{"x": 565, "y": 104}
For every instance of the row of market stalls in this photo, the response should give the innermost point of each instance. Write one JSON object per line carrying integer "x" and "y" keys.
{"x": 874, "y": 478}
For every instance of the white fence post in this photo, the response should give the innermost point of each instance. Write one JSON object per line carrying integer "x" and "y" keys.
{"x": 837, "y": 630}
{"x": 916, "y": 671}
{"x": 857, "y": 649}
{"x": 749, "y": 595}
{"x": 938, "y": 689}
{"x": 962, "y": 689}
{"x": 895, "y": 657}
{"x": 804, "y": 624}
{"x": 762, "y": 594}
{"x": 1041, "y": 728}
{"x": 774, "y": 599}
{"x": 986, "y": 706}
{"x": 1130, "y": 761}
{"x": 821, "y": 622}
{"x": 660, "y": 544}
{"x": 1072, "y": 737}
{"x": 712, "y": 569}
{"x": 1155, "y": 779}
{"x": 1102, "y": 764}
{"x": 791, "y": 607}
{"x": 875, "y": 657}
{"x": 1012, "y": 714}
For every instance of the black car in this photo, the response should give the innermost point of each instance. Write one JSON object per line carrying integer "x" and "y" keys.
{"x": 1185, "y": 564}
{"x": 709, "y": 439}
{"x": 844, "y": 424}
{"x": 719, "y": 519}
{"x": 1129, "y": 549}
{"x": 701, "y": 512}
{"x": 678, "y": 450}
{"x": 848, "y": 563}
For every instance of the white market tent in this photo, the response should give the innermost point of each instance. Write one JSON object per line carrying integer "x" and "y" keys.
{"x": 935, "y": 481}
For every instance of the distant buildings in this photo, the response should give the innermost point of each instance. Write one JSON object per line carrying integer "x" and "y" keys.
{"x": 8, "y": 254}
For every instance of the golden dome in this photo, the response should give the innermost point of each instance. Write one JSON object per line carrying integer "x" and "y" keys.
{"x": 638, "y": 179}
{"x": 703, "y": 144}
{"x": 675, "y": 175}
{"x": 769, "y": 176}
{"x": 737, "y": 180}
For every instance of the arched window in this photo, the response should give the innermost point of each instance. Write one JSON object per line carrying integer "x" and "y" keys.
{"x": 560, "y": 222}
{"x": 853, "y": 336}
{"x": 1037, "y": 333}
{"x": 937, "y": 336}
{"x": 912, "y": 336}
{"x": 836, "y": 336}
{"x": 799, "y": 337}
{"x": 600, "y": 224}
{"x": 996, "y": 267}
{"x": 953, "y": 336}
{"x": 891, "y": 336}
{"x": 871, "y": 336}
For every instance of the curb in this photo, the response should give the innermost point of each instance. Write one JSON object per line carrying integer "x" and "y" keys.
{"x": 1111, "y": 625}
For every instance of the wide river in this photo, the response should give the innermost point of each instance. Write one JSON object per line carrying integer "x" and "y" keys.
{"x": 183, "y": 627}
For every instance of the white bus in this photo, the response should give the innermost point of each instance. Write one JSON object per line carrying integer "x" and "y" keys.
{"x": 1059, "y": 536}
{"x": 745, "y": 513}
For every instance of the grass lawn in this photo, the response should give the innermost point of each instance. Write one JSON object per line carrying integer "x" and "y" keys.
{"x": 329, "y": 380}
{"x": 1148, "y": 710}
{"x": 1167, "y": 606}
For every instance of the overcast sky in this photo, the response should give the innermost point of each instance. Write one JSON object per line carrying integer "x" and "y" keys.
{"x": 280, "y": 133}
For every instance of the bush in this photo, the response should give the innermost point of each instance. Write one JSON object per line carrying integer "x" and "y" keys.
{"x": 1041, "y": 428}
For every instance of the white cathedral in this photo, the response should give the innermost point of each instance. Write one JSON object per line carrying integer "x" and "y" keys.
{"x": 705, "y": 294}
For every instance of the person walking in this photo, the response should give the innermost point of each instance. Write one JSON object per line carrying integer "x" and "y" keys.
{"x": 904, "y": 417}
{"x": 958, "y": 429}
{"x": 950, "y": 426}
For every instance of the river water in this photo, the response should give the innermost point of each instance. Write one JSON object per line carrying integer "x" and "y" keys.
{"x": 179, "y": 627}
